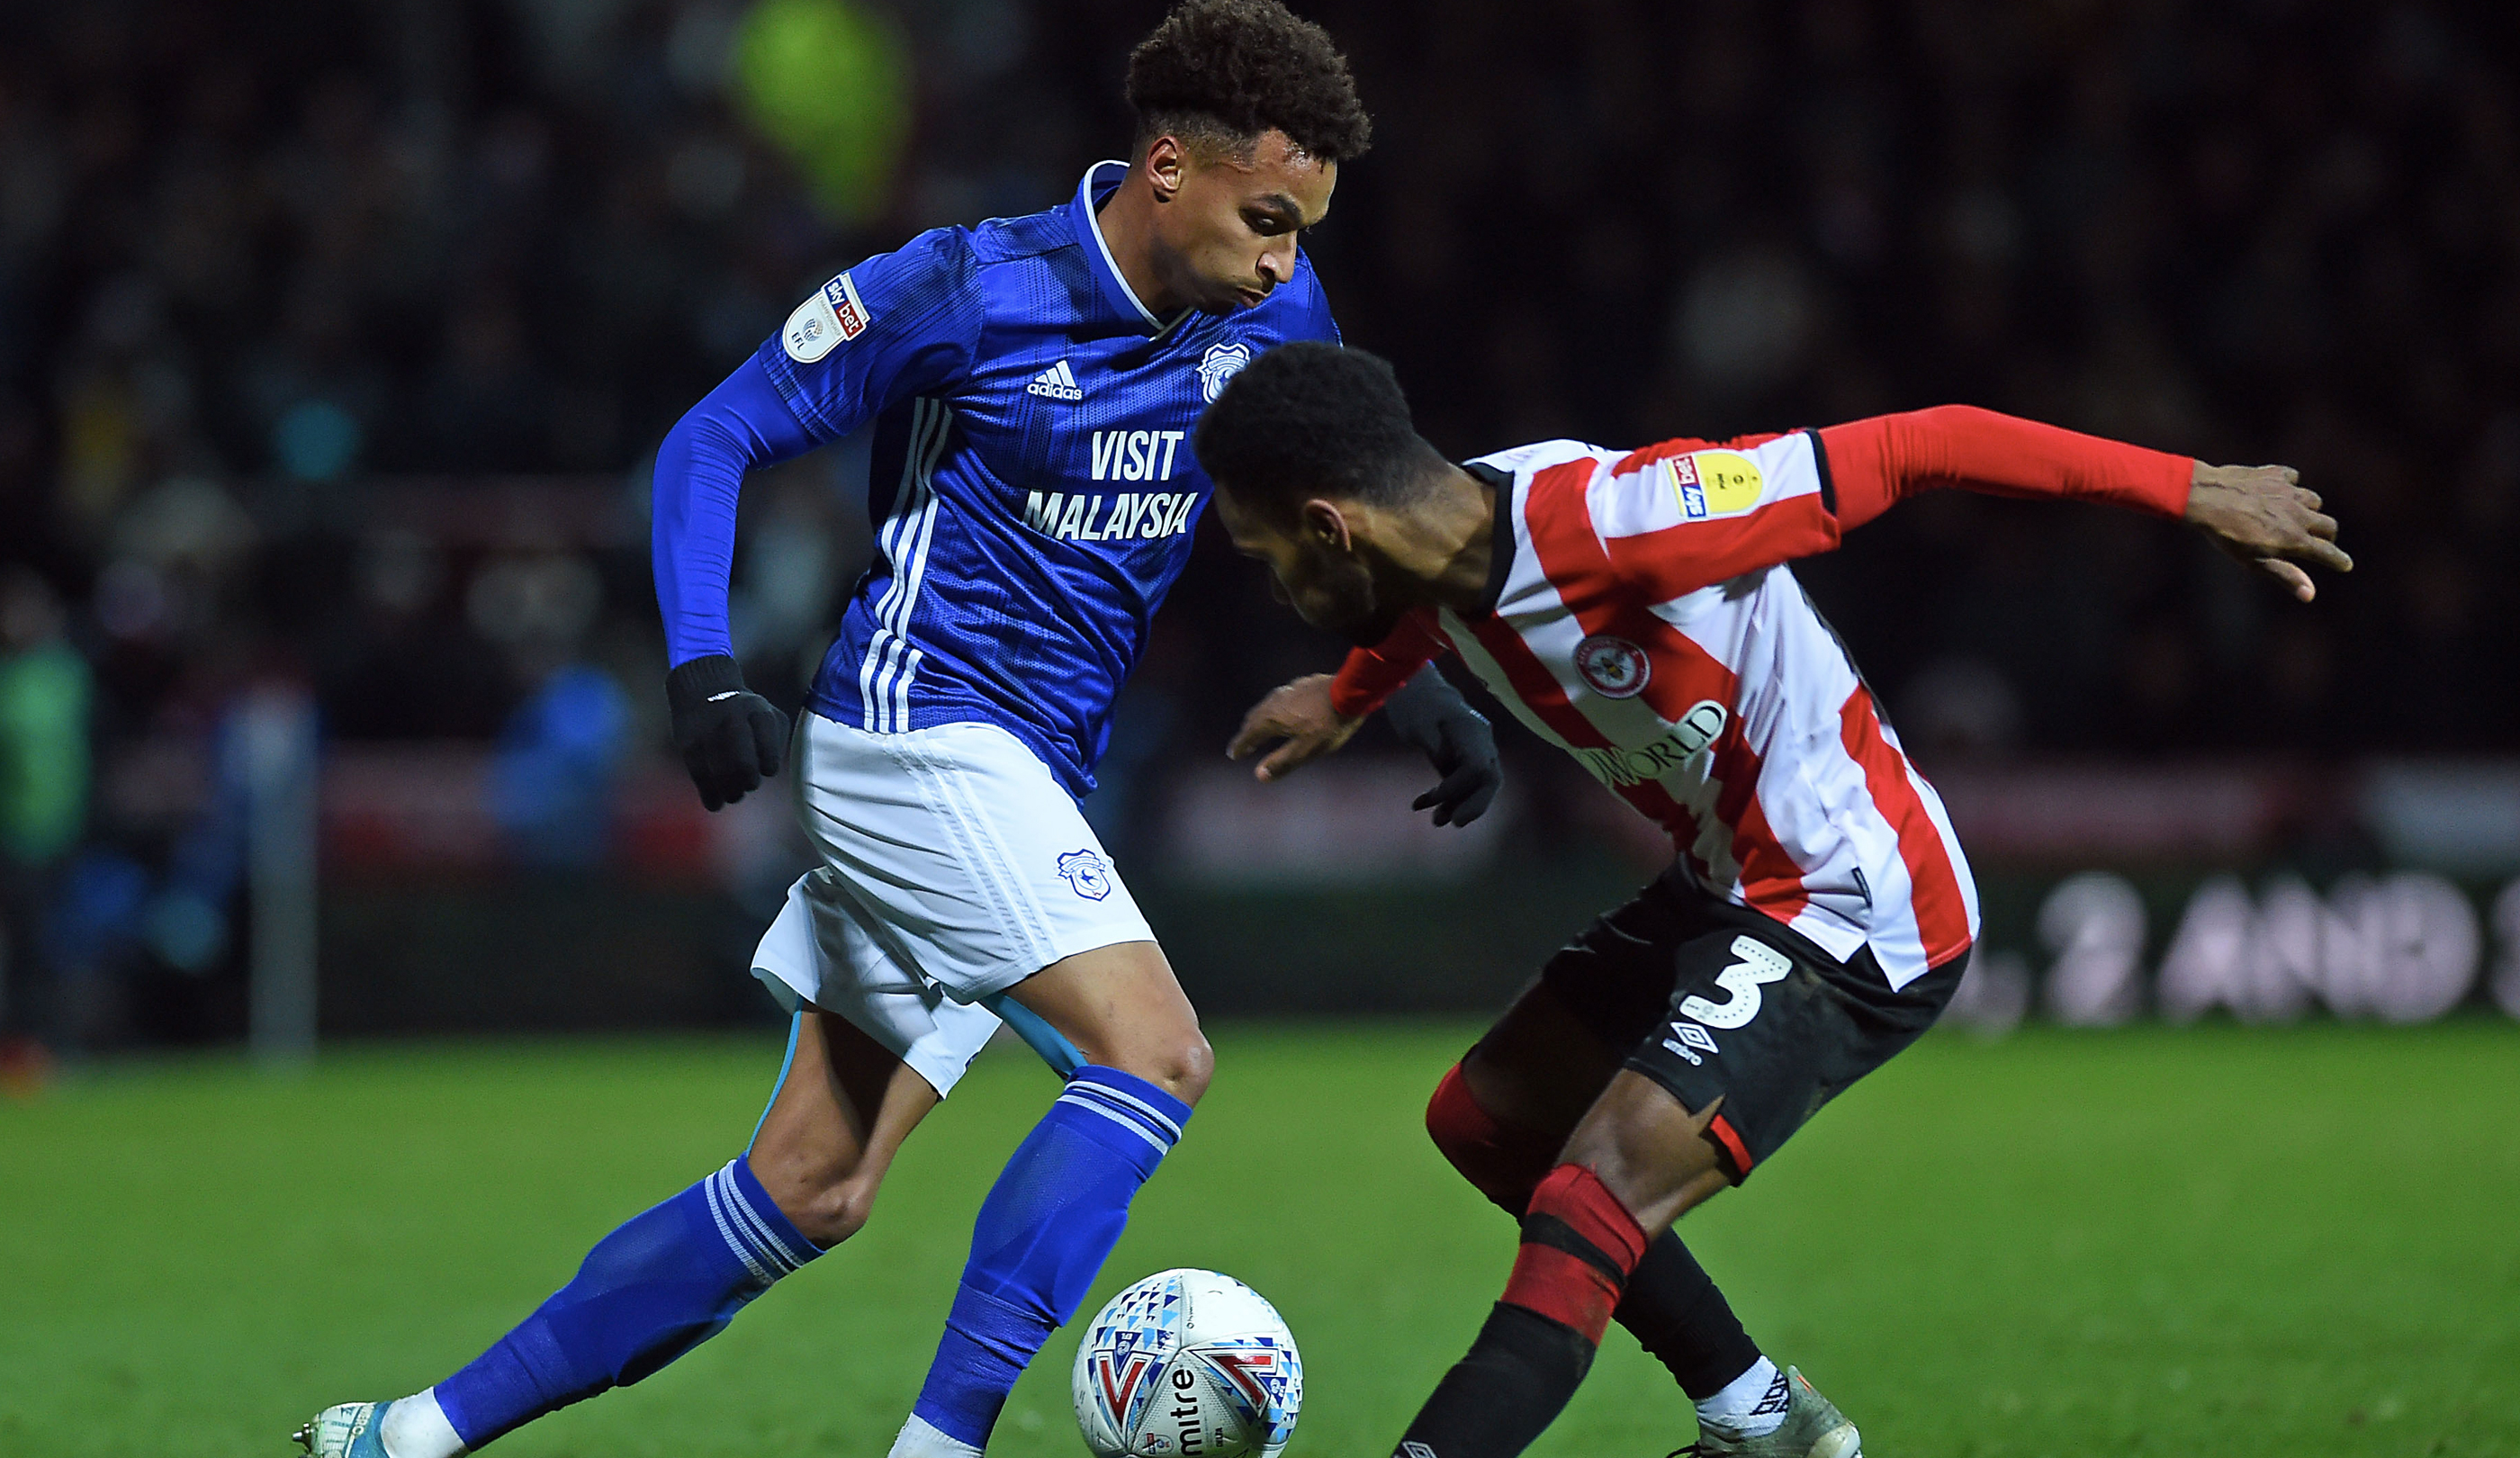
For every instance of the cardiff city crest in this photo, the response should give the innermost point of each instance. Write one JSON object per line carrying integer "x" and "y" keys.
{"x": 1221, "y": 362}
{"x": 1089, "y": 875}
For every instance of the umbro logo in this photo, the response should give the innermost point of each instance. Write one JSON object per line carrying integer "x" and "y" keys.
{"x": 1691, "y": 1039}
{"x": 1057, "y": 384}
{"x": 1694, "y": 1035}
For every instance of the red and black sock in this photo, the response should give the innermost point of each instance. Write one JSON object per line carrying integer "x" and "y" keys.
{"x": 1677, "y": 1314}
{"x": 1579, "y": 1245}
{"x": 1671, "y": 1306}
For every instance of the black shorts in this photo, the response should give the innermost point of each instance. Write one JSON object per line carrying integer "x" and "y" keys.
{"x": 1713, "y": 1000}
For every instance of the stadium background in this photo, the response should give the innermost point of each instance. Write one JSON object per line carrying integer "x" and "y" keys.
{"x": 335, "y": 340}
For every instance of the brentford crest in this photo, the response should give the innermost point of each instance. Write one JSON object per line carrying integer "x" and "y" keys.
{"x": 1615, "y": 667}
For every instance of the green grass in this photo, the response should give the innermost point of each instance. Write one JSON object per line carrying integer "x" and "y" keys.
{"x": 2211, "y": 1241}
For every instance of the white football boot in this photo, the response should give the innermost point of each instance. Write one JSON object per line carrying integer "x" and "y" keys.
{"x": 353, "y": 1429}
{"x": 1813, "y": 1427}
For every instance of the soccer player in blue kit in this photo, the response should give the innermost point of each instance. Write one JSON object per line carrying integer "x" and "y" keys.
{"x": 1031, "y": 383}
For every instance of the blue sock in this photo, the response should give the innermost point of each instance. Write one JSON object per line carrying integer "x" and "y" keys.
{"x": 664, "y": 1283}
{"x": 1043, "y": 1233}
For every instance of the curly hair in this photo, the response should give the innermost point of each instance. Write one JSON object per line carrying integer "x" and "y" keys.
{"x": 1220, "y": 72}
{"x": 1311, "y": 418}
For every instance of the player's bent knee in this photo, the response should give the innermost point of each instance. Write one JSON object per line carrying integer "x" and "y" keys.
{"x": 826, "y": 1198}
{"x": 834, "y": 1211}
{"x": 1500, "y": 1161}
{"x": 1181, "y": 1064}
{"x": 1176, "y": 1059}
{"x": 1186, "y": 1067}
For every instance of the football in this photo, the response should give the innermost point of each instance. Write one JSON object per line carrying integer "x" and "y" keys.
{"x": 1187, "y": 1364}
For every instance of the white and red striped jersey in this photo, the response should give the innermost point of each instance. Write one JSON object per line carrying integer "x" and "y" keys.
{"x": 1640, "y": 616}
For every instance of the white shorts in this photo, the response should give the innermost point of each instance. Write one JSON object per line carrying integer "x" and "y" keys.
{"x": 954, "y": 866}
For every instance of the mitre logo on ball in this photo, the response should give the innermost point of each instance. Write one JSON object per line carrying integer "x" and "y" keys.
{"x": 1187, "y": 1364}
{"x": 1615, "y": 667}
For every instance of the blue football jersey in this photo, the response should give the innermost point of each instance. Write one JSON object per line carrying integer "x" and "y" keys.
{"x": 1033, "y": 489}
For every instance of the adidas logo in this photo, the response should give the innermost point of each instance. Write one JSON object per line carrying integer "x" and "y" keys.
{"x": 1056, "y": 384}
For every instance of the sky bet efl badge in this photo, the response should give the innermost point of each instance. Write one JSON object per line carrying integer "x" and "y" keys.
{"x": 1713, "y": 484}
{"x": 822, "y": 322}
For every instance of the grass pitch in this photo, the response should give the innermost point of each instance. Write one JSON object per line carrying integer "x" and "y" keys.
{"x": 2211, "y": 1241}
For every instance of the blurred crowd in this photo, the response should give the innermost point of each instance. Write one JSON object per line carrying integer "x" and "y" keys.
{"x": 2270, "y": 231}
{"x": 335, "y": 340}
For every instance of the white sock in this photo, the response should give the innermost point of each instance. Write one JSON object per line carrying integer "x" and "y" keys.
{"x": 1751, "y": 1406}
{"x": 417, "y": 1428}
{"x": 919, "y": 1439}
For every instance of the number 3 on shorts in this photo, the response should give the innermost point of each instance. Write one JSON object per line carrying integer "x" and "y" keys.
{"x": 1756, "y": 962}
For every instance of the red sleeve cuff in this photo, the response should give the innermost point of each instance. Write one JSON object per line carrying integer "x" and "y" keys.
{"x": 1374, "y": 674}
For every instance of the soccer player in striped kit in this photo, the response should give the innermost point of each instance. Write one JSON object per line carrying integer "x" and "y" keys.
{"x": 1031, "y": 384}
{"x": 1634, "y": 608}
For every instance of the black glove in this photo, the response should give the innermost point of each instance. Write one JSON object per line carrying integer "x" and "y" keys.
{"x": 1429, "y": 713}
{"x": 731, "y": 738}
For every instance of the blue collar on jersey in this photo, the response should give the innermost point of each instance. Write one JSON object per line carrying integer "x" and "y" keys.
{"x": 1098, "y": 184}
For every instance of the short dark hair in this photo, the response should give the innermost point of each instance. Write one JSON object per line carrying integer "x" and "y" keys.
{"x": 1220, "y": 72}
{"x": 1314, "y": 418}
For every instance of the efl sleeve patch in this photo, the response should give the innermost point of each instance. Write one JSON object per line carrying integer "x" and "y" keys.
{"x": 1704, "y": 485}
{"x": 1714, "y": 483}
{"x": 821, "y": 323}
{"x": 1684, "y": 522}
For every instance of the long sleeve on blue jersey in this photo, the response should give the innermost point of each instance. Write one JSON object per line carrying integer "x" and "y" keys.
{"x": 922, "y": 327}
{"x": 742, "y": 424}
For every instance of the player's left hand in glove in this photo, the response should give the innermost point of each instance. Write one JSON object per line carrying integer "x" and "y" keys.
{"x": 1429, "y": 714}
{"x": 731, "y": 739}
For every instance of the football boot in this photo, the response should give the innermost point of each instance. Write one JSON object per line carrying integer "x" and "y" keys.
{"x": 1813, "y": 1427}
{"x": 353, "y": 1429}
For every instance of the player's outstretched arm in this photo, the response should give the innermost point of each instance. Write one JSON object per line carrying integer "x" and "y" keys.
{"x": 1316, "y": 714}
{"x": 2258, "y": 513}
{"x": 1303, "y": 720}
{"x": 2263, "y": 516}
{"x": 1298, "y": 718}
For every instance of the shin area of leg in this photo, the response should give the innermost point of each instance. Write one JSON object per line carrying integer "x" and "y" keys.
{"x": 1042, "y": 1236}
{"x": 660, "y": 1285}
